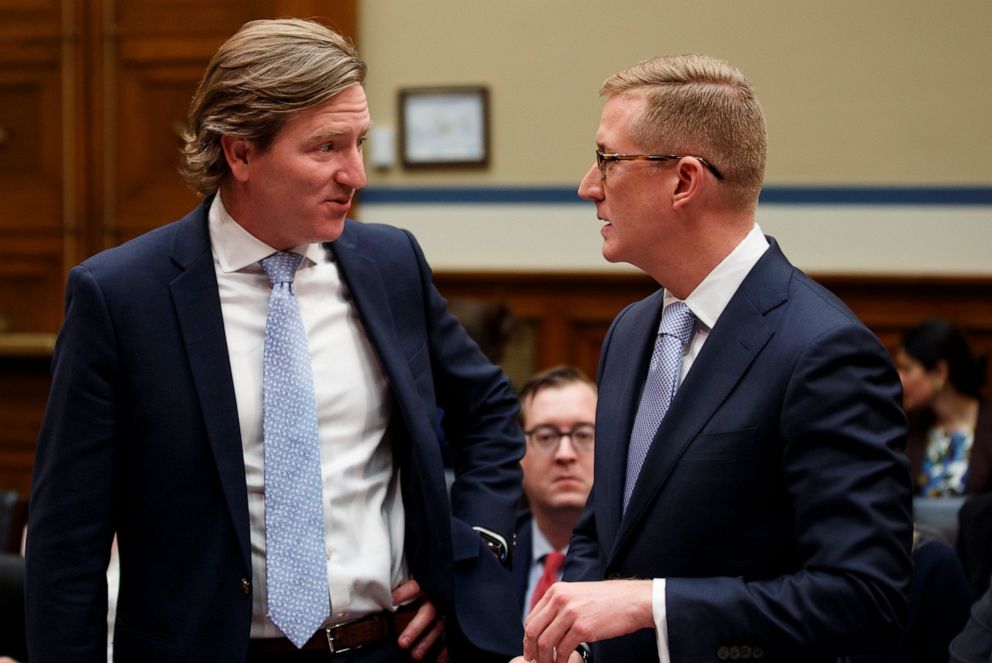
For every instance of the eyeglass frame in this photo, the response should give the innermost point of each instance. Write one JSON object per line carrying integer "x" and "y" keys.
{"x": 580, "y": 447}
{"x": 603, "y": 158}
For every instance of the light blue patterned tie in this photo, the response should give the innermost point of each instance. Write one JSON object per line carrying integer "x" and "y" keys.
{"x": 677, "y": 323}
{"x": 295, "y": 561}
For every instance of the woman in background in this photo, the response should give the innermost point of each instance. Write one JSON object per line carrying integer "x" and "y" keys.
{"x": 950, "y": 427}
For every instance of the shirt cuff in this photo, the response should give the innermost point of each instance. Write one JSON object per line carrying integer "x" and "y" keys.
{"x": 660, "y": 613}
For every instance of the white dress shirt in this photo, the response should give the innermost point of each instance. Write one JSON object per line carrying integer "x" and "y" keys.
{"x": 706, "y": 302}
{"x": 363, "y": 508}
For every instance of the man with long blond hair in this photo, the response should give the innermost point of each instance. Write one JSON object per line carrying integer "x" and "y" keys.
{"x": 247, "y": 397}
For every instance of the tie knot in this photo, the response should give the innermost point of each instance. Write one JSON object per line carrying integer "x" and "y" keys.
{"x": 281, "y": 267}
{"x": 678, "y": 321}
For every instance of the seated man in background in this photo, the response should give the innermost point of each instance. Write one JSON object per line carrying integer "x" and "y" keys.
{"x": 556, "y": 405}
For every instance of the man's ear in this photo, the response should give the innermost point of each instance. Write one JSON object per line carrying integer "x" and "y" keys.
{"x": 237, "y": 152}
{"x": 690, "y": 173}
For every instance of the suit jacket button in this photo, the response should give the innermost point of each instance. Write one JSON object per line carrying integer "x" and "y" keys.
{"x": 735, "y": 653}
{"x": 723, "y": 653}
{"x": 745, "y": 652}
{"x": 246, "y": 587}
{"x": 757, "y": 652}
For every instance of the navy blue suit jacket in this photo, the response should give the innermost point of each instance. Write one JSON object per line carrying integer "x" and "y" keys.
{"x": 141, "y": 438}
{"x": 522, "y": 558}
{"x": 775, "y": 498}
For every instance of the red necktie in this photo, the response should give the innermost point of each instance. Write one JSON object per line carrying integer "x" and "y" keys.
{"x": 552, "y": 563}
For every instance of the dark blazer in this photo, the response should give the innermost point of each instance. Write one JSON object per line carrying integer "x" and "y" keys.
{"x": 141, "y": 438}
{"x": 938, "y": 608}
{"x": 974, "y": 643}
{"x": 522, "y": 558}
{"x": 980, "y": 461}
{"x": 775, "y": 498}
{"x": 974, "y": 544}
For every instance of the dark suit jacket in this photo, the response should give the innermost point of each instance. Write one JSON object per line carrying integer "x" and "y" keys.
{"x": 980, "y": 461}
{"x": 938, "y": 608}
{"x": 974, "y": 544}
{"x": 141, "y": 438}
{"x": 974, "y": 643}
{"x": 522, "y": 558}
{"x": 775, "y": 498}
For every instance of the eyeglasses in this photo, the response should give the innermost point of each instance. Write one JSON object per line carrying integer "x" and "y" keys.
{"x": 604, "y": 158}
{"x": 546, "y": 438}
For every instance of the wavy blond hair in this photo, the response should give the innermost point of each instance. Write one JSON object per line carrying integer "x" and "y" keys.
{"x": 265, "y": 72}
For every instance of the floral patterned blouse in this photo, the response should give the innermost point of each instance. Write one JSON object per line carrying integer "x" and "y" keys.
{"x": 945, "y": 462}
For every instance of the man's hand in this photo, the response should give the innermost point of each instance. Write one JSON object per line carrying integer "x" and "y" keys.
{"x": 574, "y": 612}
{"x": 426, "y": 626}
{"x": 574, "y": 658}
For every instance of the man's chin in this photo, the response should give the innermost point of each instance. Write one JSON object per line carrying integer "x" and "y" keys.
{"x": 331, "y": 230}
{"x": 570, "y": 500}
{"x": 610, "y": 252}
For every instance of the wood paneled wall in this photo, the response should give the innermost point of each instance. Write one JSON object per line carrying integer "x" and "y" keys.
{"x": 563, "y": 318}
{"x": 567, "y": 315}
{"x": 93, "y": 97}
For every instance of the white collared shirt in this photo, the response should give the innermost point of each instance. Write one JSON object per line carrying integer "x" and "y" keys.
{"x": 706, "y": 302}
{"x": 363, "y": 508}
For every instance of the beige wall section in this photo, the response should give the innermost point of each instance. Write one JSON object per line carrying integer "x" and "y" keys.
{"x": 856, "y": 92}
{"x": 872, "y": 92}
{"x": 944, "y": 241}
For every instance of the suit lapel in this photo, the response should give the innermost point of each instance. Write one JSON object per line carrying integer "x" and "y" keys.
{"x": 368, "y": 292}
{"x": 623, "y": 382}
{"x": 732, "y": 346}
{"x": 197, "y": 304}
{"x": 522, "y": 559}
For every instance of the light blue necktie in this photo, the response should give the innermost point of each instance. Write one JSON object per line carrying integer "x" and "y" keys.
{"x": 677, "y": 323}
{"x": 295, "y": 558}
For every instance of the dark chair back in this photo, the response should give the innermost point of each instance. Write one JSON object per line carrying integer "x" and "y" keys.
{"x": 13, "y": 518}
{"x": 13, "y": 642}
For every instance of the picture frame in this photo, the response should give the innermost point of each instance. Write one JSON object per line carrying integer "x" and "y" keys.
{"x": 444, "y": 127}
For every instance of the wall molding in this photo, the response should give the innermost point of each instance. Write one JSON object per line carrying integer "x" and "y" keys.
{"x": 771, "y": 195}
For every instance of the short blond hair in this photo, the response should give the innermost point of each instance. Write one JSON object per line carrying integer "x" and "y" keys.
{"x": 261, "y": 75}
{"x": 701, "y": 106}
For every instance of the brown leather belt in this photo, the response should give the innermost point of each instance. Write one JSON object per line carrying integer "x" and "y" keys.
{"x": 339, "y": 638}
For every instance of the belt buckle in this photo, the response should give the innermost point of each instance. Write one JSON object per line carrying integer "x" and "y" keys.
{"x": 330, "y": 639}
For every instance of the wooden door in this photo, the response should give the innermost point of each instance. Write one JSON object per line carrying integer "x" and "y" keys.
{"x": 93, "y": 97}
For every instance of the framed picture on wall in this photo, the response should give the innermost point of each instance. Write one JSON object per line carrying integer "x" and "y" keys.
{"x": 443, "y": 127}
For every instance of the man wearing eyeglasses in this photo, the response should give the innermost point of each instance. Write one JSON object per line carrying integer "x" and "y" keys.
{"x": 558, "y": 415}
{"x": 752, "y": 500}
